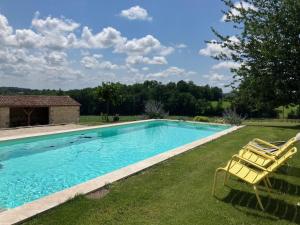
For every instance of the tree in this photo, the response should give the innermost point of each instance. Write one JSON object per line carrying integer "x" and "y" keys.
{"x": 267, "y": 45}
{"x": 110, "y": 93}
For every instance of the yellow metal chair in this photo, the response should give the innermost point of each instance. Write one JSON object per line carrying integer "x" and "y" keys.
{"x": 272, "y": 148}
{"x": 257, "y": 152}
{"x": 250, "y": 172}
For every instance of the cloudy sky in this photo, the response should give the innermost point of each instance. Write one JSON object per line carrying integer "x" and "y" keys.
{"x": 74, "y": 44}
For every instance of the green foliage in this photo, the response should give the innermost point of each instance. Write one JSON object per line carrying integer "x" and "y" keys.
{"x": 104, "y": 117}
{"x": 181, "y": 98}
{"x": 219, "y": 120}
{"x": 155, "y": 110}
{"x": 116, "y": 118}
{"x": 267, "y": 45}
{"x": 232, "y": 117}
{"x": 201, "y": 119}
{"x": 110, "y": 93}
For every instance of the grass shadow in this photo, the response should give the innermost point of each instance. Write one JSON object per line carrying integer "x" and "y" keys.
{"x": 295, "y": 127}
{"x": 289, "y": 170}
{"x": 283, "y": 186}
{"x": 274, "y": 208}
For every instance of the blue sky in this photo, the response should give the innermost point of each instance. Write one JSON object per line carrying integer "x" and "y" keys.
{"x": 75, "y": 44}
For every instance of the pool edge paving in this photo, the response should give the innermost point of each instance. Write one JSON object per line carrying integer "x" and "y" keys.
{"x": 26, "y": 211}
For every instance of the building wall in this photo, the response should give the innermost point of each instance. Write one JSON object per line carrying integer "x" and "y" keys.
{"x": 4, "y": 117}
{"x": 63, "y": 114}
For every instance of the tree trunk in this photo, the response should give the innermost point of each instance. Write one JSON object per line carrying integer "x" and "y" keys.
{"x": 107, "y": 111}
{"x": 28, "y": 113}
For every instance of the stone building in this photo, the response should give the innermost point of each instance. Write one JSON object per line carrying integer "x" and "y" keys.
{"x": 30, "y": 110}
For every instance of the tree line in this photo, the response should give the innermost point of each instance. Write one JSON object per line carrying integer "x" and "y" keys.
{"x": 181, "y": 98}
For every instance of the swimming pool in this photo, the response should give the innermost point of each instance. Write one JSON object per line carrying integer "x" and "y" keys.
{"x": 32, "y": 168}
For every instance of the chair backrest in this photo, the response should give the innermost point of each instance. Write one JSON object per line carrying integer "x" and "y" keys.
{"x": 283, "y": 158}
{"x": 282, "y": 149}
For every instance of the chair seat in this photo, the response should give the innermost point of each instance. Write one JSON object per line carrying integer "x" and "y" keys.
{"x": 244, "y": 172}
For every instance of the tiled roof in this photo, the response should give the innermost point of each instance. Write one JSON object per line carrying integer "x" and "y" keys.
{"x": 36, "y": 101}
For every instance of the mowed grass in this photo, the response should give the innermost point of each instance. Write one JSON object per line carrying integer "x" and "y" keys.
{"x": 97, "y": 120}
{"x": 178, "y": 191}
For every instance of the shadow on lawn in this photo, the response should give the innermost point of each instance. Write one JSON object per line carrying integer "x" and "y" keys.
{"x": 289, "y": 170}
{"x": 295, "y": 127}
{"x": 283, "y": 186}
{"x": 274, "y": 208}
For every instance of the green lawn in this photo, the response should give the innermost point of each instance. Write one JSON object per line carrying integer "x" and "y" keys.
{"x": 178, "y": 191}
{"x": 96, "y": 120}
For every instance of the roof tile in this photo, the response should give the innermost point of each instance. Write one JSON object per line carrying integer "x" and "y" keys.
{"x": 36, "y": 101}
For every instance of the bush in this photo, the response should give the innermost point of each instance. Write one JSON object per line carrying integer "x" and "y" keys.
{"x": 230, "y": 116}
{"x": 155, "y": 110}
{"x": 219, "y": 120}
{"x": 294, "y": 113}
{"x": 104, "y": 117}
{"x": 201, "y": 119}
{"x": 116, "y": 118}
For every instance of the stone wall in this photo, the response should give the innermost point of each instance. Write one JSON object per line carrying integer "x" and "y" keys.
{"x": 4, "y": 117}
{"x": 63, "y": 114}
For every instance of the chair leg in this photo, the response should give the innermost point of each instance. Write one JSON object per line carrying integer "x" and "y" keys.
{"x": 267, "y": 186}
{"x": 269, "y": 182}
{"x": 258, "y": 198}
{"x": 215, "y": 181}
{"x": 227, "y": 175}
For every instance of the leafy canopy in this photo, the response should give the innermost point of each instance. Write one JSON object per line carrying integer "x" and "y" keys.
{"x": 267, "y": 45}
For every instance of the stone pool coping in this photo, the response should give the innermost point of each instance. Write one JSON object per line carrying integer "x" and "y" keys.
{"x": 24, "y": 212}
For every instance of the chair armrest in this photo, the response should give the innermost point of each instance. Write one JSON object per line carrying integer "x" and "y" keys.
{"x": 278, "y": 143}
{"x": 265, "y": 143}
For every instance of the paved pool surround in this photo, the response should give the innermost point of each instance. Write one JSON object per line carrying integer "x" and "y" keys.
{"x": 24, "y": 212}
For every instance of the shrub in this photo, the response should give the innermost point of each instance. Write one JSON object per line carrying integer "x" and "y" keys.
{"x": 232, "y": 117}
{"x": 155, "y": 110}
{"x": 219, "y": 120}
{"x": 104, "y": 117}
{"x": 116, "y": 118}
{"x": 201, "y": 119}
{"x": 294, "y": 113}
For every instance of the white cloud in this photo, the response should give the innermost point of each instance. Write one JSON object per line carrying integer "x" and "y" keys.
{"x": 51, "y": 25}
{"x": 171, "y": 71}
{"x": 226, "y": 65}
{"x": 108, "y": 37}
{"x": 95, "y": 62}
{"x": 136, "y": 13}
{"x": 44, "y": 55}
{"x": 144, "y": 46}
{"x": 214, "y": 77}
{"x": 59, "y": 33}
{"x": 215, "y": 48}
{"x": 235, "y": 10}
{"x": 181, "y": 45}
{"x": 56, "y": 58}
{"x": 134, "y": 60}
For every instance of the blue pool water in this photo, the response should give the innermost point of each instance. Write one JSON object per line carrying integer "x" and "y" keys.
{"x": 35, "y": 167}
